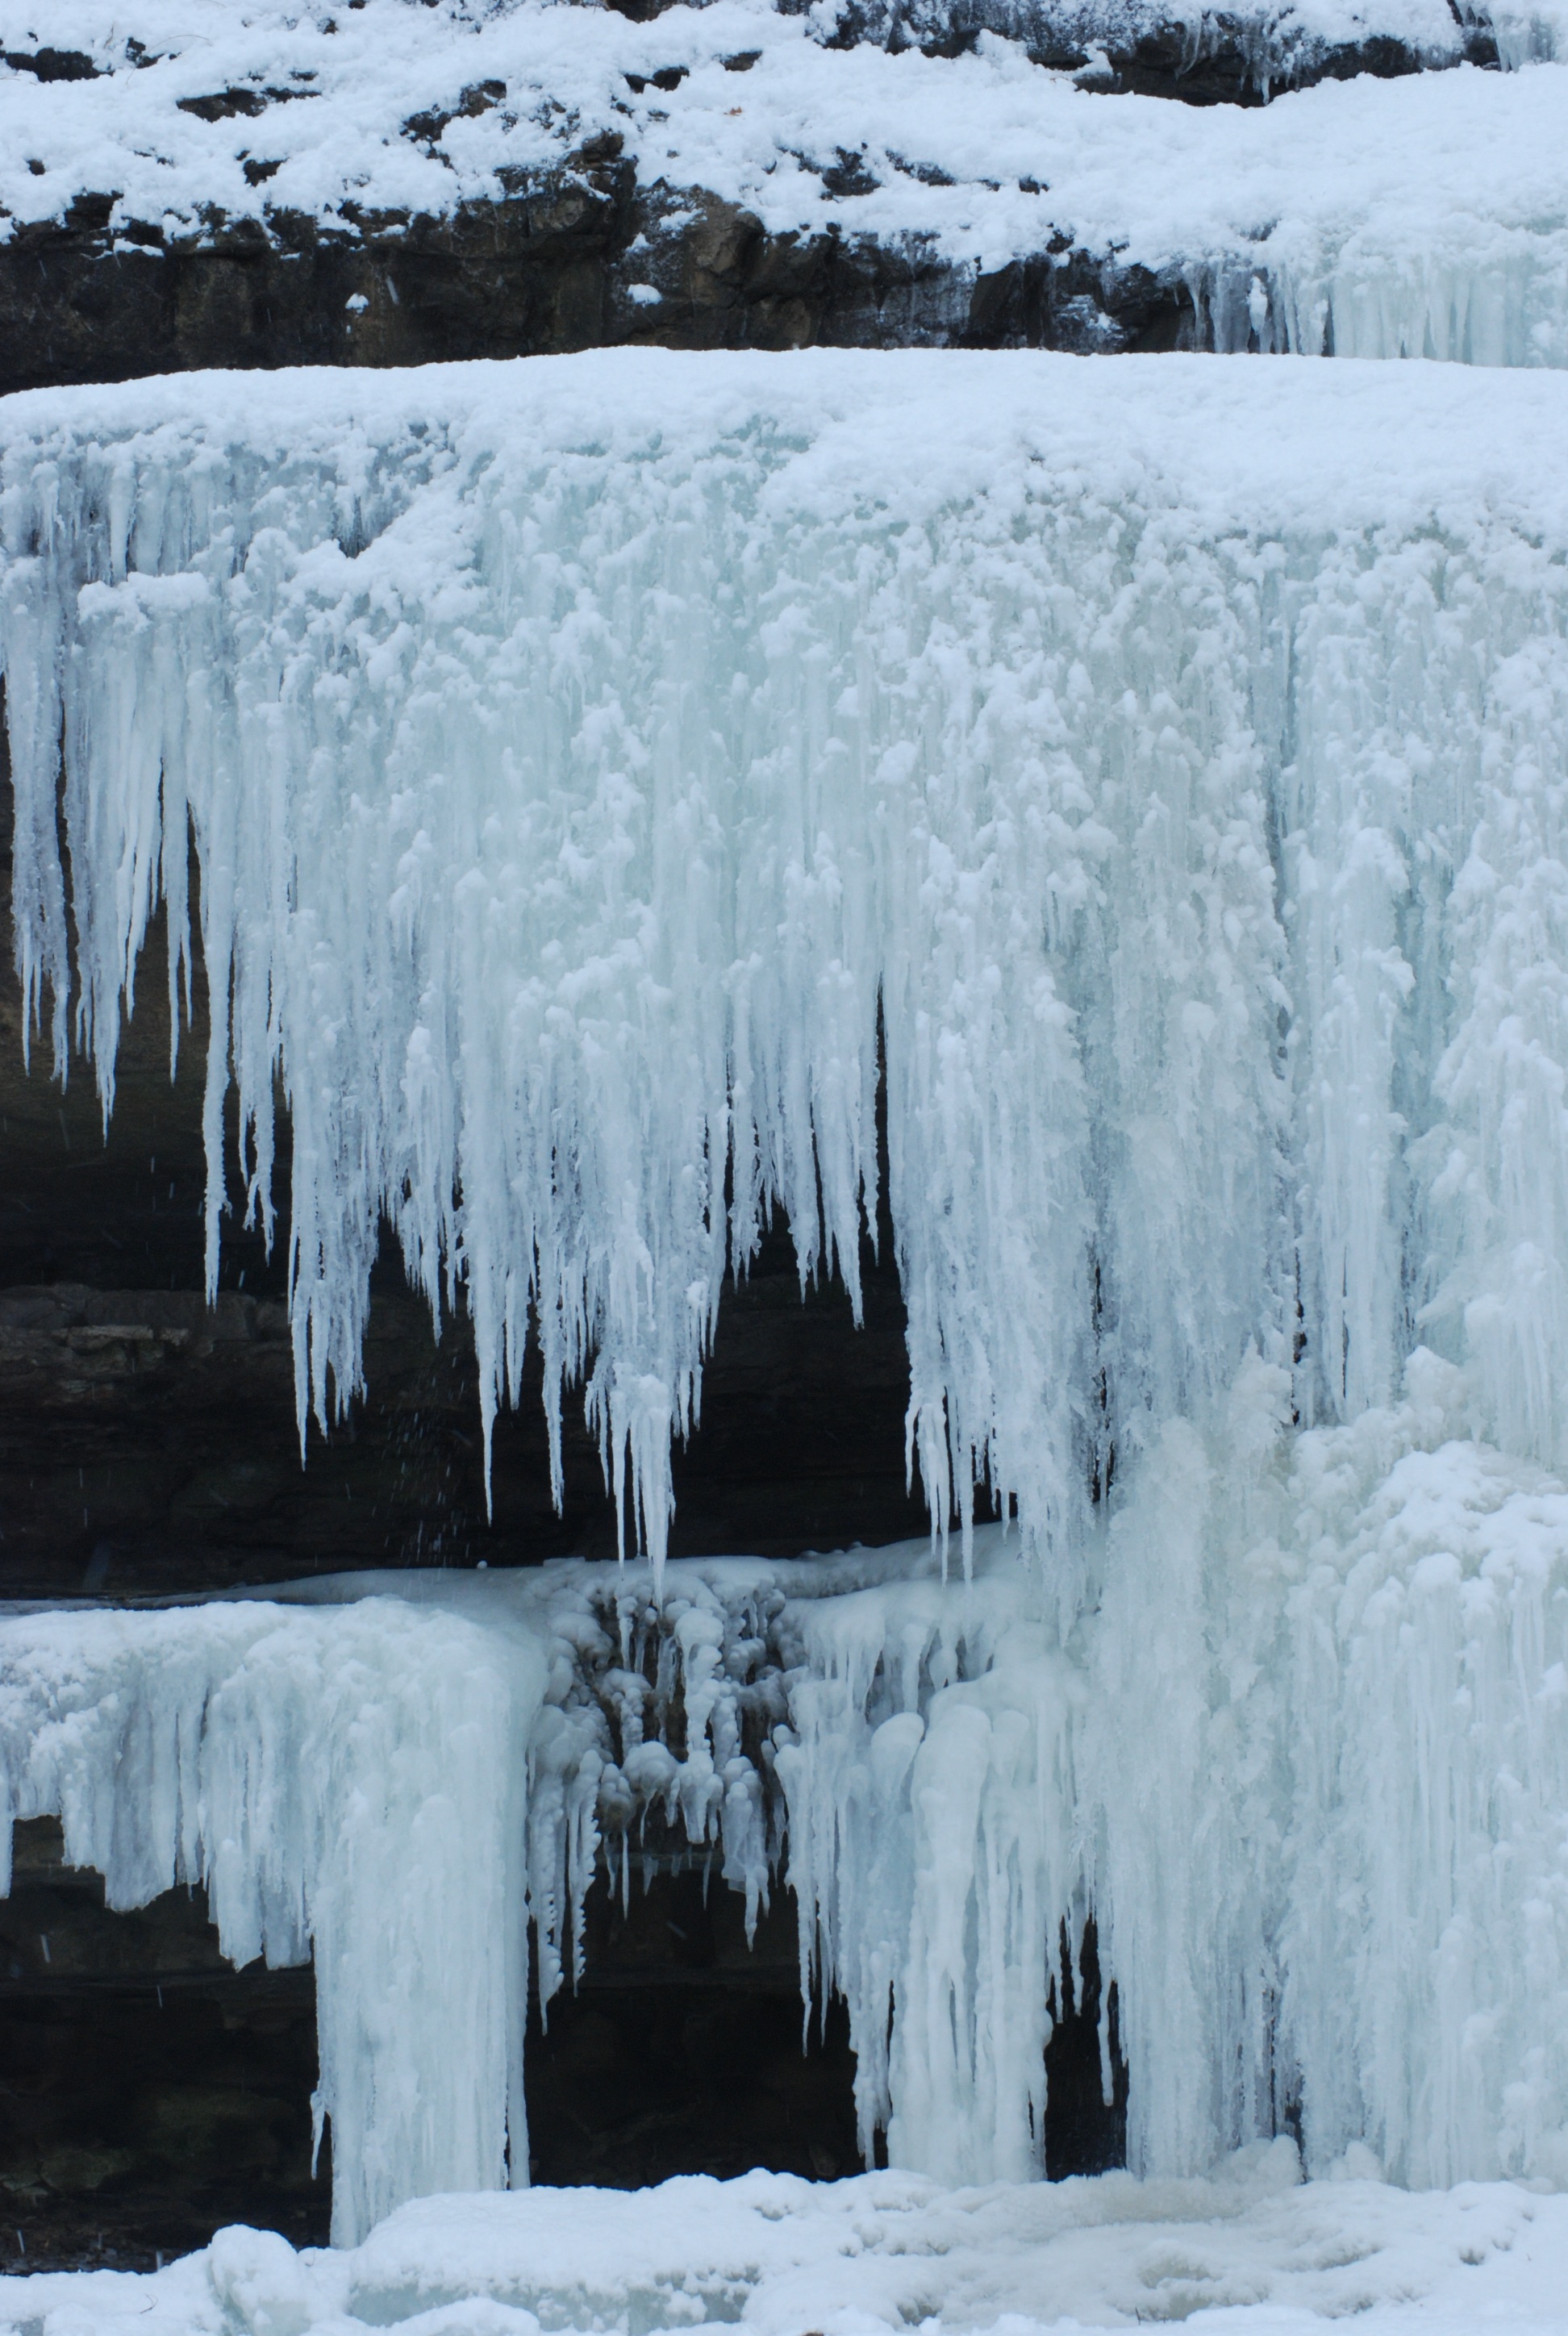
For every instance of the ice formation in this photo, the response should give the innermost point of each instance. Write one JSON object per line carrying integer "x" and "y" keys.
{"x": 1189, "y": 827}
{"x": 348, "y": 1785}
{"x": 592, "y": 765}
{"x": 1329, "y": 1864}
{"x": 1423, "y": 216}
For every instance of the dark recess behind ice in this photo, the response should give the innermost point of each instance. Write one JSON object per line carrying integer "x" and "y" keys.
{"x": 148, "y": 2093}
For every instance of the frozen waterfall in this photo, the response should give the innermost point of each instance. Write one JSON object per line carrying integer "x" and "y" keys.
{"x": 599, "y": 773}
{"x": 1191, "y": 818}
{"x": 348, "y": 1784}
{"x": 1306, "y": 1764}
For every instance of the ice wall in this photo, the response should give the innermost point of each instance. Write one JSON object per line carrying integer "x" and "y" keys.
{"x": 589, "y": 763}
{"x": 582, "y": 756}
{"x": 1307, "y": 1763}
{"x": 349, "y": 1785}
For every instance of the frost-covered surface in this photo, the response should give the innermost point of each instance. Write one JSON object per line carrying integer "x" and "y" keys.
{"x": 578, "y": 751}
{"x": 882, "y": 2251}
{"x": 1422, "y": 217}
{"x": 349, "y": 1785}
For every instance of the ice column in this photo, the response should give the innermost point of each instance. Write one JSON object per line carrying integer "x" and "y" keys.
{"x": 346, "y": 1782}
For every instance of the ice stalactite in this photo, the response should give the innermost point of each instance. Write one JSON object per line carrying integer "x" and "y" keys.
{"x": 348, "y": 1786}
{"x": 1362, "y": 293}
{"x": 931, "y": 1802}
{"x": 581, "y": 757}
{"x": 1307, "y": 1764}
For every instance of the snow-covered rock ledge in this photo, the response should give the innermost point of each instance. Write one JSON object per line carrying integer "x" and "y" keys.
{"x": 420, "y": 182}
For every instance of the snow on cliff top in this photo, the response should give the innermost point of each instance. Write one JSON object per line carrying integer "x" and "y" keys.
{"x": 253, "y": 113}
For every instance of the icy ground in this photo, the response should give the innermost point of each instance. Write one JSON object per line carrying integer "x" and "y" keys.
{"x": 1425, "y": 216}
{"x": 1248, "y": 2251}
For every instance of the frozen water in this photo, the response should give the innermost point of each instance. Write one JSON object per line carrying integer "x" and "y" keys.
{"x": 584, "y": 759}
{"x": 1421, "y": 217}
{"x": 349, "y": 1785}
{"x": 1188, "y": 812}
{"x": 1307, "y": 1762}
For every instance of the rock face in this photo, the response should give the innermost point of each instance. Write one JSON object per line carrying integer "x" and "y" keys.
{"x": 540, "y": 272}
{"x": 148, "y": 2092}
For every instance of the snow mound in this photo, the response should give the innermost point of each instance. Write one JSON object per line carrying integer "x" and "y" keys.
{"x": 882, "y": 2251}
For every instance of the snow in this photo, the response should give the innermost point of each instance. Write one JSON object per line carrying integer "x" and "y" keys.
{"x": 345, "y": 1785}
{"x": 1424, "y": 216}
{"x": 579, "y": 753}
{"x": 884, "y": 2251}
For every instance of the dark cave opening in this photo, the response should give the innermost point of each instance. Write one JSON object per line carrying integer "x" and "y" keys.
{"x": 1084, "y": 2132}
{"x": 149, "y": 2092}
{"x": 681, "y": 2050}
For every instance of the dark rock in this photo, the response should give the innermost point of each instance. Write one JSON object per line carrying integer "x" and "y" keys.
{"x": 149, "y": 2092}
{"x": 547, "y": 270}
{"x": 52, "y": 65}
{"x": 1224, "y": 57}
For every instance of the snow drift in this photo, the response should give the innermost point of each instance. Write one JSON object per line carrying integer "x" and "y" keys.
{"x": 885, "y": 2251}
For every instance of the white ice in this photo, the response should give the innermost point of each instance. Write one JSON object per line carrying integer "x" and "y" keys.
{"x": 1427, "y": 216}
{"x": 582, "y": 758}
{"x": 581, "y": 755}
{"x": 349, "y": 1786}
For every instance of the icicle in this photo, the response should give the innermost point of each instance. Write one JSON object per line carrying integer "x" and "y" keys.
{"x": 348, "y": 1786}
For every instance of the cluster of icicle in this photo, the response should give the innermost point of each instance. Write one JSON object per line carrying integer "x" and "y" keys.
{"x": 1306, "y": 1763}
{"x": 1497, "y": 296}
{"x": 583, "y": 786}
{"x": 347, "y": 1784}
{"x": 626, "y": 1666}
